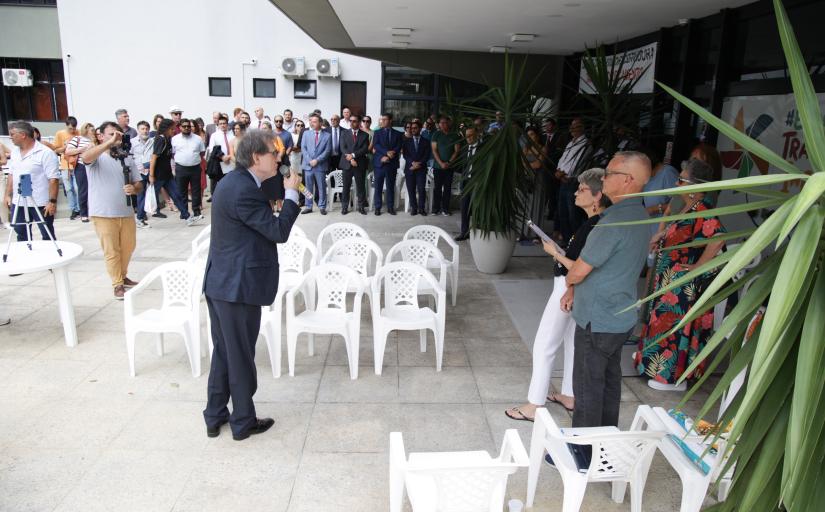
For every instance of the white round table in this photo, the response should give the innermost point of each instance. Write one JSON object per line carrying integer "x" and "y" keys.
{"x": 43, "y": 256}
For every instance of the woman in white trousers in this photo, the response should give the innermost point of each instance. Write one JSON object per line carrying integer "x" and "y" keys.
{"x": 557, "y": 325}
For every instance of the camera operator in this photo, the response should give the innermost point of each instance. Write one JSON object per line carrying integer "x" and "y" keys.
{"x": 108, "y": 171}
{"x": 30, "y": 156}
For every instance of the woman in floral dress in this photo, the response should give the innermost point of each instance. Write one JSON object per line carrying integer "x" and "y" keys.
{"x": 665, "y": 360}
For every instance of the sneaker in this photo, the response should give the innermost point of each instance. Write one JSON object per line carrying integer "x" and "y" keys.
{"x": 74, "y": 215}
{"x": 128, "y": 283}
{"x": 445, "y": 214}
{"x": 323, "y": 211}
{"x": 198, "y": 217}
{"x": 84, "y": 219}
{"x": 120, "y": 291}
{"x": 141, "y": 223}
{"x": 5, "y": 320}
{"x": 191, "y": 221}
{"x": 306, "y": 210}
{"x": 159, "y": 215}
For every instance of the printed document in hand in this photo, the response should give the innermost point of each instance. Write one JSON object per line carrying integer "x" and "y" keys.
{"x": 537, "y": 230}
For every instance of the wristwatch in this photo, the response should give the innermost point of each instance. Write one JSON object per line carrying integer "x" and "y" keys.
{"x": 53, "y": 201}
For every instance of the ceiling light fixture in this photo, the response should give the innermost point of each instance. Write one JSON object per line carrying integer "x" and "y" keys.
{"x": 522, "y": 38}
{"x": 403, "y": 32}
{"x": 499, "y": 49}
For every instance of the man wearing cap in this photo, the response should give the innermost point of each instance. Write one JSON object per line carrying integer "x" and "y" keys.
{"x": 176, "y": 113}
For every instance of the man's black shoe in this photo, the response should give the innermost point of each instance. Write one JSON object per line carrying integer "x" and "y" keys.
{"x": 344, "y": 211}
{"x": 306, "y": 210}
{"x": 362, "y": 210}
{"x": 261, "y": 425}
{"x": 377, "y": 212}
{"x": 215, "y": 431}
{"x": 391, "y": 211}
{"x": 462, "y": 237}
{"x": 414, "y": 212}
{"x": 159, "y": 215}
{"x": 422, "y": 213}
{"x": 74, "y": 215}
{"x": 323, "y": 211}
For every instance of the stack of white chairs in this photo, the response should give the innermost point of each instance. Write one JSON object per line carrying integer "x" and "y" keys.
{"x": 453, "y": 481}
{"x": 295, "y": 258}
{"x": 618, "y": 457}
{"x": 324, "y": 290}
{"x": 335, "y": 232}
{"x": 433, "y": 235}
{"x": 402, "y": 284}
{"x": 179, "y": 311}
{"x": 361, "y": 255}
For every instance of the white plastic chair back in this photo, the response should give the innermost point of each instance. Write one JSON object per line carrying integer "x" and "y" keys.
{"x": 402, "y": 284}
{"x": 292, "y": 255}
{"x": 422, "y": 254}
{"x": 360, "y": 254}
{"x": 179, "y": 287}
{"x": 331, "y": 282}
{"x": 436, "y": 235}
{"x": 296, "y": 231}
{"x": 338, "y": 231}
{"x": 202, "y": 237}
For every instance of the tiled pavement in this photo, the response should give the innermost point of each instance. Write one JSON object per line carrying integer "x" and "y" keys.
{"x": 78, "y": 434}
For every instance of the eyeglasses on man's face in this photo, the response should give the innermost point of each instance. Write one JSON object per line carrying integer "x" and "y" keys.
{"x": 607, "y": 174}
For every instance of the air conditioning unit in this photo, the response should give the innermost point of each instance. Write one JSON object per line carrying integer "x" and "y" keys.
{"x": 17, "y": 78}
{"x": 294, "y": 66}
{"x": 328, "y": 68}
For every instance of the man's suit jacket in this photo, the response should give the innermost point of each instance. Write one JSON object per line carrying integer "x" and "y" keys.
{"x": 423, "y": 154}
{"x": 310, "y": 151}
{"x": 243, "y": 260}
{"x": 384, "y": 140}
{"x": 359, "y": 148}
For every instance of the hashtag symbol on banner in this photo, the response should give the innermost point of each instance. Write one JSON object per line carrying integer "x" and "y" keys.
{"x": 789, "y": 121}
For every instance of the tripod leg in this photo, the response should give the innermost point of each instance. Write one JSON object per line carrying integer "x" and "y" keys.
{"x": 42, "y": 222}
{"x": 12, "y": 232}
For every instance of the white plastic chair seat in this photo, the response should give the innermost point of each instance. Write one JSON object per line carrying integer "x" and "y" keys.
{"x": 322, "y": 322}
{"x": 156, "y": 320}
{"x": 410, "y": 320}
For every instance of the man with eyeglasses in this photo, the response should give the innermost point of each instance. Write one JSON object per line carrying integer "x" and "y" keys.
{"x": 355, "y": 144}
{"x": 575, "y": 157}
{"x": 188, "y": 149}
{"x": 602, "y": 286}
{"x": 176, "y": 113}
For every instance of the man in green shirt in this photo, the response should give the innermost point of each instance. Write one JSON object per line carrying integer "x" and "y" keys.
{"x": 446, "y": 146}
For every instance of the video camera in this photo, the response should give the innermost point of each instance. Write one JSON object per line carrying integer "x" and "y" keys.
{"x": 122, "y": 151}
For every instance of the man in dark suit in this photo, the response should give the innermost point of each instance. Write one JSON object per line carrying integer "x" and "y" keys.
{"x": 334, "y": 131}
{"x": 471, "y": 137}
{"x": 241, "y": 276}
{"x": 417, "y": 152}
{"x": 386, "y": 144}
{"x": 355, "y": 144}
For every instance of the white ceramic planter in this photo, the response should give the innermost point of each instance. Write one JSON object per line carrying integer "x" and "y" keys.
{"x": 491, "y": 254}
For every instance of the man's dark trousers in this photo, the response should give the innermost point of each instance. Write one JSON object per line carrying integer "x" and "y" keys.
{"x": 20, "y": 222}
{"x": 443, "y": 183}
{"x": 417, "y": 188}
{"x": 172, "y": 190}
{"x": 597, "y": 377}
{"x": 465, "y": 210}
{"x": 384, "y": 174}
{"x": 234, "y": 333}
{"x": 569, "y": 215}
{"x": 360, "y": 177}
{"x": 187, "y": 176}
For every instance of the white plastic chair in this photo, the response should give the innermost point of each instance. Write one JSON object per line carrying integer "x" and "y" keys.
{"x": 295, "y": 258}
{"x": 202, "y": 237}
{"x": 399, "y": 178}
{"x": 618, "y": 457}
{"x": 423, "y": 254}
{"x": 337, "y": 177}
{"x": 179, "y": 313}
{"x": 402, "y": 284}
{"x": 432, "y": 235}
{"x": 361, "y": 255}
{"x": 338, "y": 231}
{"x": 296, "y": 231}
{"x": 453, "y": 481}
{"x": 328, "y": 313}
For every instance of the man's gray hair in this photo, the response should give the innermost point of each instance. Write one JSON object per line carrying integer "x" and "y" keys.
{"x": 699, "y": 170}
{"x": 255, "y": 142}
{"x": 634, "y": 155}
{"x": 119, "y": 112}
{"x": 22, "y": 126}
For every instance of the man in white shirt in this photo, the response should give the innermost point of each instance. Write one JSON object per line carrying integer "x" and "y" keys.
{"x": 289, "y": 122}
{"x": 258, "y": 123}
{"x": 223, "y": 138}
{"x": 576, "y": 155}
{"x": 142, "y": 146}
{"x": 31, "y": 157}
{"x": 188, "y": 150}
{"x": 335, "y": 131}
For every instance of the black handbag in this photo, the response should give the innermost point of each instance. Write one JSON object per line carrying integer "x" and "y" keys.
{"x": 213, "y": 165}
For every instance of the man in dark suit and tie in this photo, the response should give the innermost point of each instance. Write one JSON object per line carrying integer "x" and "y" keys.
{"x": 472, "y": 140}
{"x": 334, "y": 131}
{"x": 417, "y": 152}
{"x": 241, "y": 276}
{"x": 316, "y": 148}
{"x": 386, "y": 144}
{"x": 355, "y": 144}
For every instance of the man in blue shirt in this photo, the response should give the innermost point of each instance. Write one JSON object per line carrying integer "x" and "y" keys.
{"x": 386, "y": 148}
{"x": 601, "y": 284}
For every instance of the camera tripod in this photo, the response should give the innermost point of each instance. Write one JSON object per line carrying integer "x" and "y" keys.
{"x": 24, "y": 202}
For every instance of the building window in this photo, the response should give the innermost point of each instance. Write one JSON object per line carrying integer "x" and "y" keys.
{"x": 220, "y": 86}
{"x": 263, "y": 87}
{"x": 45, "y": 100}
{"x": 305, "y": 89}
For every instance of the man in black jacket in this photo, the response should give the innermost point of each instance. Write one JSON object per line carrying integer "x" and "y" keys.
{"x": 241, "y": 276}
{"x": 355, "y": 145}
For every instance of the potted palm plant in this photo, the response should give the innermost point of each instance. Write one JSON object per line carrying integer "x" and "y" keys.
{"x": 778, "y": 417}
{"x": 501, "y": 180}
